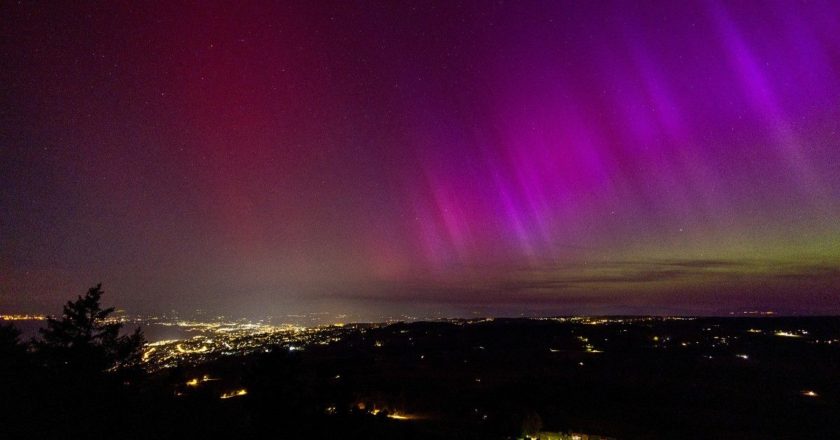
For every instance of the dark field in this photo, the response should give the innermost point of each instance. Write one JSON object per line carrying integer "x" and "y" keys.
{"x": 503, "y": 378}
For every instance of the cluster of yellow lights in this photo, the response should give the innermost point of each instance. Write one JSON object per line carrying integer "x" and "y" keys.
{"x": 194, "y": 382}
{"x": 23, "y": 317}
{"x": 163, "y": 342}
{"x": 181, "y": 349}
{"x": 391, "y": 415}
{"x": 810, "y": 393}
{"x": 237, "y": 393}
{"x": 787, "y": 334}
{"x": 397, "y": 416}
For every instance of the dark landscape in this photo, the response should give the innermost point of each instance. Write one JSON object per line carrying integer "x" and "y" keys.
{"x": 403, "y": 219}
{"x": 548, "y": 378}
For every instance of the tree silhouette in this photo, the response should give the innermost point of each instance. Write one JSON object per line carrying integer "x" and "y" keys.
{"x": 84, "y": 338}
{"x": 9, "y": 342}
{"x": 13, "y": 355}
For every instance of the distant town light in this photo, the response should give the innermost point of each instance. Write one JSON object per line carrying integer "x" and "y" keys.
{"x": 399, "y": 416}
{"x": 237, "y": 393}
{"x": 15, "y": 317}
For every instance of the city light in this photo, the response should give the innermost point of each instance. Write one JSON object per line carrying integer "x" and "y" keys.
{"x": 219, "y": 339}
{"x": 232, "y": 394}
{"x": 397, "y": 416}
{"x": 14, "y": 317}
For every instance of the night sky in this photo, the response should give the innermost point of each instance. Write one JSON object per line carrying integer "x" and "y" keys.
{"x": 451, "y": 157}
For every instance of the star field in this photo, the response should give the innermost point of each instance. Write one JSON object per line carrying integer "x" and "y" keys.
{"x": 508, "y": 157}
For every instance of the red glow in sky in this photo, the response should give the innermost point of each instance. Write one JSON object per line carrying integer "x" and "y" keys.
{"x": 544, "y": 157}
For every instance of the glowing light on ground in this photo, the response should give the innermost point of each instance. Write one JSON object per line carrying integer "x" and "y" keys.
{"x": 232, "y": 394}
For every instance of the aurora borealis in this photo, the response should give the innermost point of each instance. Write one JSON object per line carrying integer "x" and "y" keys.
{"x": 509, "y": 157}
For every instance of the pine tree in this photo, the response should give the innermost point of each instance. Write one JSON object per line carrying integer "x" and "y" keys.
{"x": 10, "y": 342}
{"x": 84, "y": 338}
